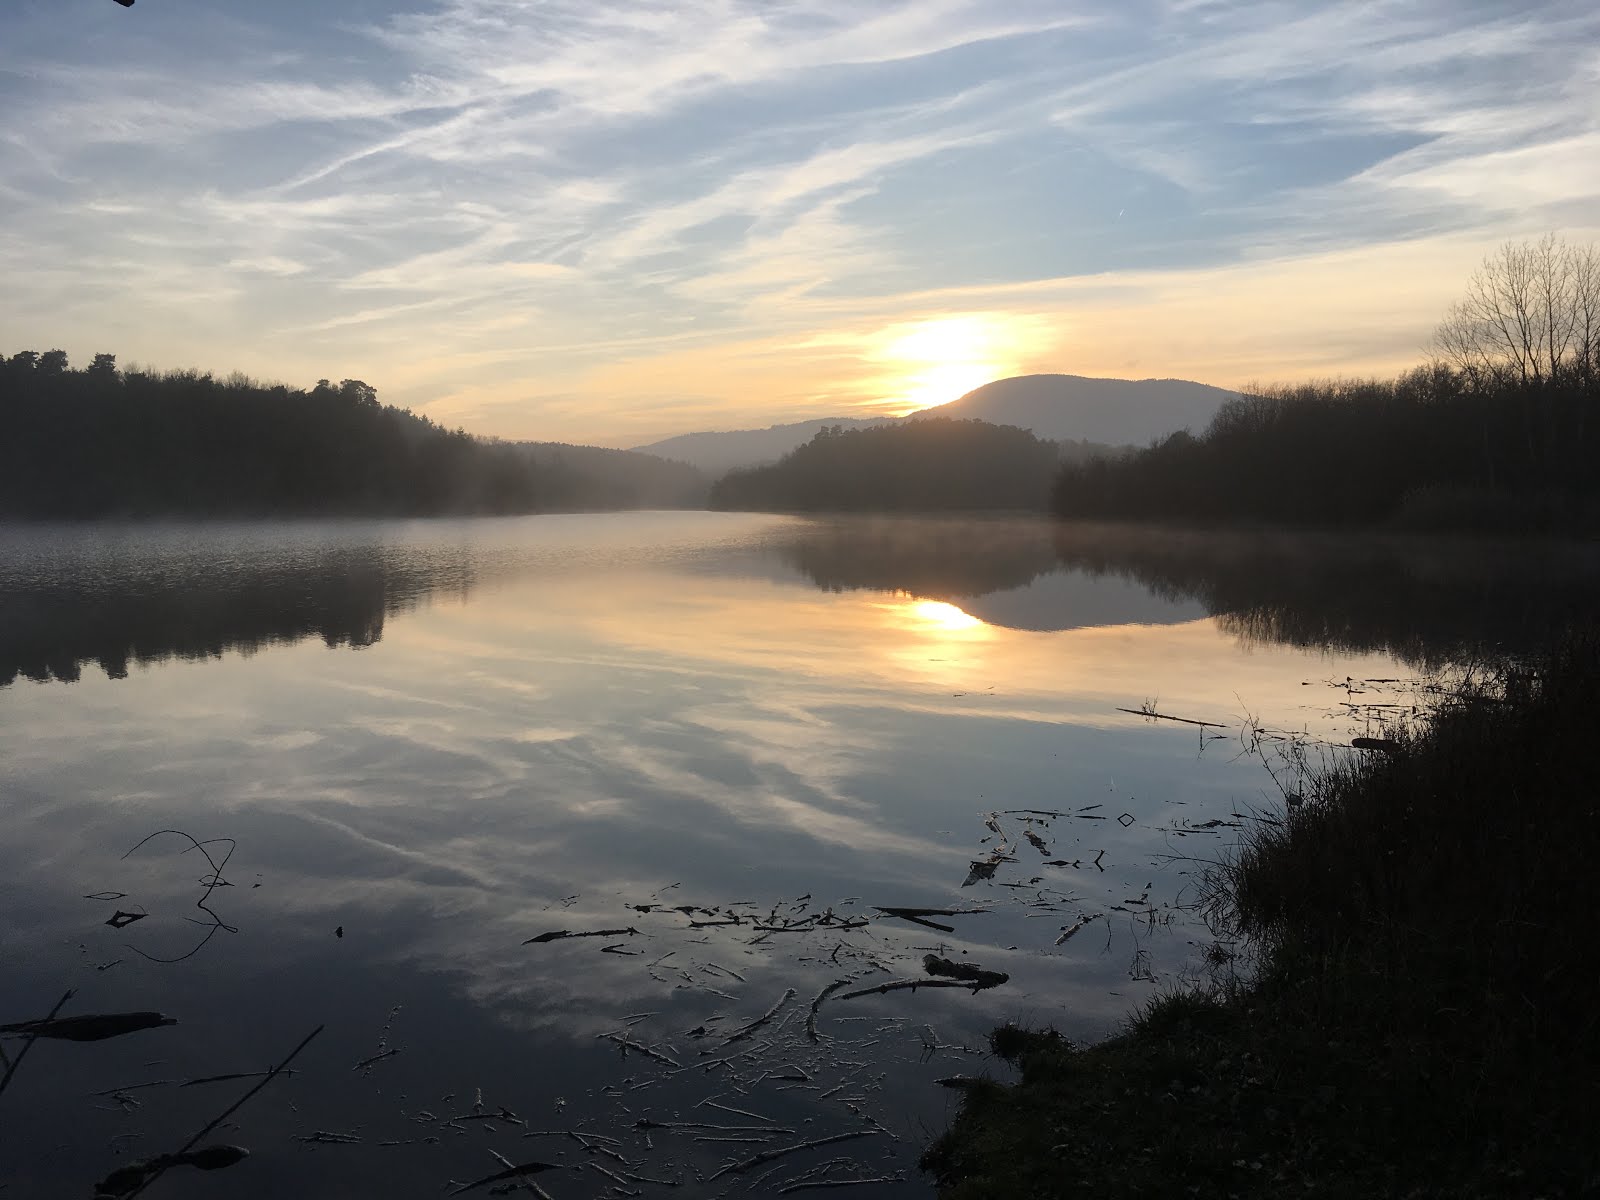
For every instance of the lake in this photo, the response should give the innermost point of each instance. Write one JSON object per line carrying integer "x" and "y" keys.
{"x": 408, "y": 748}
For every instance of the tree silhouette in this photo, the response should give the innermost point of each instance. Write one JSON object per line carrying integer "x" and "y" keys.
{"x": 1531, "y": 310}
{"x": 1497, "y": 433}
{"x": 932, "y": 464}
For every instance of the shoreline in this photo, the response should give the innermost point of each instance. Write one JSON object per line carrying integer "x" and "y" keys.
{"x": 1421, "y": 1023}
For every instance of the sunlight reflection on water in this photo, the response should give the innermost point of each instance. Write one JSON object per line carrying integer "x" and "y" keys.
{"x": 444, "y": 738}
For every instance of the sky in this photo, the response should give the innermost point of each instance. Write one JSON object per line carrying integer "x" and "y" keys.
{"x": 609, "y": 222}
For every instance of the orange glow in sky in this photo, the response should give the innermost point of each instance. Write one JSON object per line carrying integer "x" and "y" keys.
{"x": 934, "y": 361}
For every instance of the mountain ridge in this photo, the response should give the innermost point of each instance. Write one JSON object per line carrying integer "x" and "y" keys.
{"x": 1059, "y": 407}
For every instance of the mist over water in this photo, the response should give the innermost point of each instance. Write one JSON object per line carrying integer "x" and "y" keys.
{"x": 446, "y": 737}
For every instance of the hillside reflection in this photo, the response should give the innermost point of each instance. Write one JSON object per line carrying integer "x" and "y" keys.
{"x": 1004, "y": 572}
{"x": 1423, "y": 601}
{"x": 200, "y": 599}
{"x": 71, "y": 598}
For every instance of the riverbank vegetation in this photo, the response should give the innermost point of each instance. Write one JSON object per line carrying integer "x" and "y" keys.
{"x": 1421, "y": 1021}
{"x": 100, "y": 442}
{"x": 1499, "y": 431}
{"x": 932, "y": 464}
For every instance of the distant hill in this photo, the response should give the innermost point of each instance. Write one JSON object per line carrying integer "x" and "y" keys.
{"x": 596, "y": 477}
{"x": 1115, "y": 412}
{"x": 717, "y": 453}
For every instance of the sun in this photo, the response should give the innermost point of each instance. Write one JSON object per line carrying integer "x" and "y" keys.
{"x": 936, "y": 360}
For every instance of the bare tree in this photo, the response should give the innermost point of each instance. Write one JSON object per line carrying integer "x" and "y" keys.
{"x": 1532, "y": 311}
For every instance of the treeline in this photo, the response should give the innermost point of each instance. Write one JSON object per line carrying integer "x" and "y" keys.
{"x": 1501, "y": 430}
{"x": 1434, "y": 447}
{"x": 99, "y": 442}
{"x": 933, "y": 464}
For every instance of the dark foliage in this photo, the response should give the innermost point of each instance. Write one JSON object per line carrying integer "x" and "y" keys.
{"x": 1422, "y": 1023}
{"x": 103, "y": 442}
{"x": 930, "y": 465}
{"x": 1436, "y": 447}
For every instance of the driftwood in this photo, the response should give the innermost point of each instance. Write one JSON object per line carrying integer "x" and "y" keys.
{"x": 1068, "y": 931}
{"x": 89, "y": 1028}
{"x": 747, "y": 1030}
{"x": 557, "y": 934}
{"x": 805, "y": 1185}
{"x": 811, "y": 1017}
{"x": 646, "y": 1123}
{"x": 14, "y": 1063}
{"x": 225, "y": 1114}
{"x": 917, "y": 915}
{"x": 905, "y": 984}
{"x": 517, "y": 1171}
{"x": 628, "y": 1043}
{"x": 970, "y": 972}
{"x": 127, "y": 1180}
{"x": 767, "y": 1156}
{"x": 1157, "y": 716}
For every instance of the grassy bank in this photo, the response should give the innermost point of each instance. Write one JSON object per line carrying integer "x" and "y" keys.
{"x": 1424, "y": 1018}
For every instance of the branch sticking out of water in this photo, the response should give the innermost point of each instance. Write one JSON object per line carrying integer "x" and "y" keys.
{"x": 227, "y": 1112}
{"x": 1161, "y": 716}
{"x": 33, "y": 1037}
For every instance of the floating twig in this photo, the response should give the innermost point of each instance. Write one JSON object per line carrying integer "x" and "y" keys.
{"x": 811, "y": 1017}
{"x": 807, "y": 1184}
{"x": 1160, "y": 716}
{"x": 210, "y": 882}
{"x": 916, "y": 915}
{"x": 767, "y": 1156}
{"x": 646, "y": 1123}
{"x": 557, "y": 934}
{"x": 900, "y": 985}
{"x": 747, "y": 1030}
{"x": 518, "y": 1171}
{"x": 1068, "y": 931}
{"x": 628, "y": 1043}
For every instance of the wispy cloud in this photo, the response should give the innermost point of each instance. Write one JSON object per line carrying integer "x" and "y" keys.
{"x": 567, "y": 217}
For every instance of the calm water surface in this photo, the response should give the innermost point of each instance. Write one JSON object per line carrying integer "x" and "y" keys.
{"x": 420, "y": 744}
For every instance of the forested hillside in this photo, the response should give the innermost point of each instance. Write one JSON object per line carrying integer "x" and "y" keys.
{"x": 927, "y": 465}
{"x": 1502, "y": 429}
{"x": 101, "y": 442}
